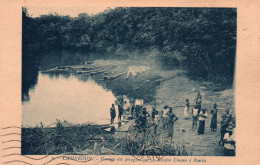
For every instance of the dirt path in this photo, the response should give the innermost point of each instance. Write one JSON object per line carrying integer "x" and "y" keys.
{"x": 173, "y": 92}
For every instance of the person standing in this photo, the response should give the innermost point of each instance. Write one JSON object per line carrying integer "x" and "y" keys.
{"x": 153, "y": 113}
{"x": 228, "y": 114}
{"x": 229, "y": 142}
{"x": 112, "y": 113}
{"x": 224, "y": 124}
{"x": 171, "y": 119}
{"x": 143, "y": 120}
{"x": 186, "y": 109}
{"x": 213, "y": 123}
{"x": 132, "y": 102}
{"x": 155, "y": 123}
{"x": 195, "y": 116}
{"x": 132, "y": 110}
{"x": 164, "y": 116}
{"x": 120, "y": 112}
{"x": 202, "y": 116}
{"x": 226, "y": 119}
{"x": 199, "y": 100}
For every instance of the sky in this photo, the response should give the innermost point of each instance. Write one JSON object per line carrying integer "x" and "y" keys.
{"x": 71, "y": 11}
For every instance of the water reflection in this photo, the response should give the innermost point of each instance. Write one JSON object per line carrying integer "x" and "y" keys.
{"x": 66, "y": 98}
{"x": 32, "y": 62}
{"x": 72, "y": 97}
{"x": 29, "y": 73}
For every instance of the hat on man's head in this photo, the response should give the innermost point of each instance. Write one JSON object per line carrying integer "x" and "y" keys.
{"x": 166, "y": 106}
{"x": 230, "y": 128}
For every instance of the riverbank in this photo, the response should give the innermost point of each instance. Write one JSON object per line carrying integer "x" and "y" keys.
{"x": 170, "y": 87}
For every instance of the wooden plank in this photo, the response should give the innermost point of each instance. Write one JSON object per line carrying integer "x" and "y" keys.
{"x": 97, "y": 72}
{"x": 115, "y": 76}
{"x": 119, "y": 69}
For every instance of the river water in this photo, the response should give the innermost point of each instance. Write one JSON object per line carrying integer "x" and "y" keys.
{"x": 67, "y": 98}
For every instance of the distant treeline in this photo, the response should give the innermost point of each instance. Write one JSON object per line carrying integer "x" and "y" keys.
{"x": 201, "y": 40}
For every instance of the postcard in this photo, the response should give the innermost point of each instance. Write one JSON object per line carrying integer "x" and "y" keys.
{"x": 98, "y": 82}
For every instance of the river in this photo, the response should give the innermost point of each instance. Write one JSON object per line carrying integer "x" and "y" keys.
{"x": 66, "y": 98}
{"x": 48, "y": 97}
{"x": 79, "y": 98}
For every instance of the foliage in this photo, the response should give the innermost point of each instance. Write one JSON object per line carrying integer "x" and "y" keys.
{"x": 202, "y": 40}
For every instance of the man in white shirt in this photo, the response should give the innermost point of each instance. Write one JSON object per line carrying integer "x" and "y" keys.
{"x": 229, "y": 142}
{"x": 202, "y": 116}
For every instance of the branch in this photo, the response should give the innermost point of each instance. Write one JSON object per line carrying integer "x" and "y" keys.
{"x": 208, "y": 58}
{"x": 203, "y": 62}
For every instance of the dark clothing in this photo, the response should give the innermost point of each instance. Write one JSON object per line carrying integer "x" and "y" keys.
{"x": 170, "y": 129}
{"x": 132, "y": 110}
{"x": 155, "y": 129}
{"x": 188, "y": 105}
{"x": 198, "y": 104}
{"x": 228, "y": 152}
{"x": 137, "y": 111}
{"x": 202, "y": 116}
{"x": 194, "y": 121}
{"x": 201, "y": 127}
{"x": 141, "y": 122}
{"x": 195, "y": 117}
{"x": 112, "y": 114}
{"x": 171, "y": 116}
{"x": 171, "y": 119}
{"x": 153, "y": 113}
{"x": 120, "y": 112}
{"x": 213, "y": 124}
{"x": 224, "y": 125}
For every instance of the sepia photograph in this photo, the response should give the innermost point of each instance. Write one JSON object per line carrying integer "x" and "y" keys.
{"x": 140, "y": 81}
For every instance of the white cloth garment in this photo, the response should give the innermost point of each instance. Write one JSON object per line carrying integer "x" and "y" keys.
{"x": 229, "y": 139}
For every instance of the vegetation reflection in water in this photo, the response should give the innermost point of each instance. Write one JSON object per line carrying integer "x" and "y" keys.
{"x": 67, "y": 98}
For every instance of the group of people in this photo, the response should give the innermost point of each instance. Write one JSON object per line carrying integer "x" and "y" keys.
{"x": 227, "y": 134}
{"x": 199, "y": 115}
{"x": 167, "y": 118}
{"x": 113, "y": 112}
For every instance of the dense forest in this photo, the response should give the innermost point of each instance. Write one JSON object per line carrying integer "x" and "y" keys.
{"x": 200, "y": 40}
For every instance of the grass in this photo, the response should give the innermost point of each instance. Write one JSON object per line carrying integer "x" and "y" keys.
{"x": 58, "y": 140}
{"x": 80, "y": 140}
